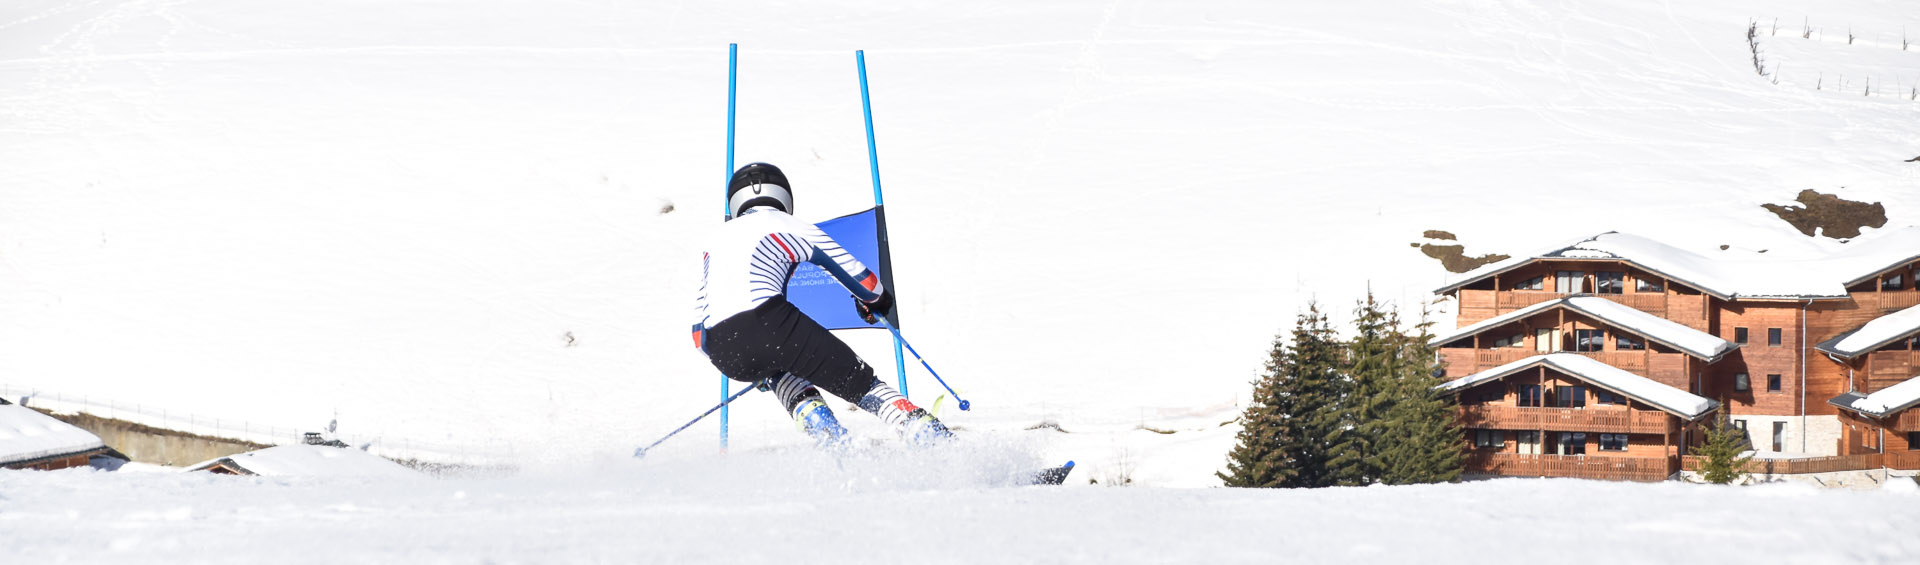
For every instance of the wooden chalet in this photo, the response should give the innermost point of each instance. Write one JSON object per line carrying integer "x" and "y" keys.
{"x": 31, "y": 440}
{"x": 1878, "y": 412}
{"x": 1570, "y": 415}
{"x": 1738, "y": 334}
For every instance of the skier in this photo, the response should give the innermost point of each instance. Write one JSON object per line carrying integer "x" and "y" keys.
{"x": 746, "y": 327}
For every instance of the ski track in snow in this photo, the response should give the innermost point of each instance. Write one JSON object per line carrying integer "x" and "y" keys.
{"x": 796, "y": 508}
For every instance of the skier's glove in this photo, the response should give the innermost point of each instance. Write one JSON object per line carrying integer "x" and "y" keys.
{"x": 871, "y": 311}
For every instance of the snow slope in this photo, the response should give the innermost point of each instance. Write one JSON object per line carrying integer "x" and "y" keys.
{"x": 444, "y": 221}
{"x": 766, "y": 509}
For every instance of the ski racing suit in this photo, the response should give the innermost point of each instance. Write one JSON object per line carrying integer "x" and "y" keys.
{"x": 746, "y": 327}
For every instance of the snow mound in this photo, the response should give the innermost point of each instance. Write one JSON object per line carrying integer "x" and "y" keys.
{"x": 309, "y": 461}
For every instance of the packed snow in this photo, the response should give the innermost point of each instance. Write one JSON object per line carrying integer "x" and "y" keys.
{"x": 772, "y": 508}
{"x": 298, "y": 460}
{"x": 26, "y": 435}
{"x": 1694, "y": 342}
{"x": 1683, "y": 403}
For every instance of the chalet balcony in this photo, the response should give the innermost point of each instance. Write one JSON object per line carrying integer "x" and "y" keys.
{"x": 1686, "y": 309}
{"x": 1888, "y": 368}
{"x": 1909, "y": 421}
{"x": 1644, "y": 469}
{"x": 1667, "y": 368}
{"x": 1888, "y": 300}
{"x": 1595, "y": 419}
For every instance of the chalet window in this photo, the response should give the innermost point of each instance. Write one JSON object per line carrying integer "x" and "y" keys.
{"x": 1570, "y": 397}
{"x": 1606, "y": 282}
{"x": 1740, "y": 336}
{"x": 1893, "y": 282}
{"x": 1489, "y": 438}
{"x": 1628, "y": 343}
{"x": 1913, "y": 441}
{"x": 1573, "y": 443}
{"x": 1536, "y": 283}
{"x": 1589, "y": 340}
{"x": 1773, "y": 337}
{"x": 1896, "y": 345}
{"x": 1529, "y": 395}
{"x": 1607, "y": 397}
{"x": 1515, "y": 340}
{"x": 1741, "y": 383}
{"x": 1779, "y": 436}
{"x": 1613, "y": 442}
{"x": 1742, "y": 424}
{"x": 1529, "y": 442}
{"x": 1773, "y": 383}
{"x": 1644, "y": 284}
{"x": 1569, "y": 282}
{"x": 1491, "y": 394}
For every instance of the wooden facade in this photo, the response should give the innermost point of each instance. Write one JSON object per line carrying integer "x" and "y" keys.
{"x": 1546, "y": 423}
{"x": 1775, "y": 372}
{"x": 56, "y": 462}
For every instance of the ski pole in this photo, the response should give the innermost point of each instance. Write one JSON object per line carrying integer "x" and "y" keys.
{"x": 642, "y": 452}
{"x": 964, "y": 405}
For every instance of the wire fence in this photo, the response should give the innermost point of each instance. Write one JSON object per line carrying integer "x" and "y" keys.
{"x": 486, "y": 453}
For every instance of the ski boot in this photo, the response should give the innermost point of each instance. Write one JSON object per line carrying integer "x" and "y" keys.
{"x": 816, "y": 419}
{"x": 923, "y": 430}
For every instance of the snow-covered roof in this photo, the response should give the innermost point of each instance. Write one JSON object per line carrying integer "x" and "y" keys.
{"x": 1668, "y": 332}
{"x": 309, "y": 460}
{"x": 1883, "y": 403}
{"x": 26, "y": 435}
{"x": 1872, "y": 335}
{"x": 1825, "y": 277}
{"x": 1672, "y": 400}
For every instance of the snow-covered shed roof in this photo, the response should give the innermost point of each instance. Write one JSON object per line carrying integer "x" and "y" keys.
{"x": 1872, "y": 335}
{"x": 307, "y": 460}
{"x": 1670, "y": 333}
{"x": 27, "y": 435}
{"x": 1672, "y": 400}
{"x": 1825, "y": 277}
{"x": 1886, "y": 402}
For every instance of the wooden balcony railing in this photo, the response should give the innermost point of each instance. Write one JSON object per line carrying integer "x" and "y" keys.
{"x": 1591, "y": 419}
{"x": 1909, "y": 421}
{"x": 1650, "y": 303}
{"x": 1889, "y": 300}
{"x": 1517, "y": 299}
{"x": 1903, "y": 460}
{"x": 1645, "y": 469}
{"x": 1668, "y": 368}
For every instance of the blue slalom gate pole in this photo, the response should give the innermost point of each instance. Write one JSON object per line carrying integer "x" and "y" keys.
{"x": 642, "y": 452}
{"x": 733, "y": 75}
{"x": 964, "y": 405}
{"x": 873, "y": 163}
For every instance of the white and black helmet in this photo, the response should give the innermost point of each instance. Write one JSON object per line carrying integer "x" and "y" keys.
{"x": 759, "y": 184}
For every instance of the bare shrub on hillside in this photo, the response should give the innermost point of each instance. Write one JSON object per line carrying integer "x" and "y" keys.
{"x": 1753, "y": 46}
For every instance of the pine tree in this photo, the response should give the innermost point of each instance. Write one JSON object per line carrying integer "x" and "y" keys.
{"x": 1258, "y": 458}
{"x": 1318, "y": 356}
{"x": 1373, "y": 357}
{"x": 1421, "y": 441}
{"x": 1721, "y": 461}
{"x": 1279, "y": 444}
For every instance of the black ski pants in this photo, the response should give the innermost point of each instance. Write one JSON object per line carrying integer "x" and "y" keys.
{"x": 776, "y": 338}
